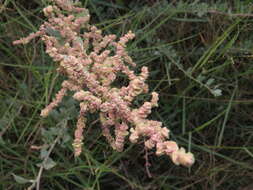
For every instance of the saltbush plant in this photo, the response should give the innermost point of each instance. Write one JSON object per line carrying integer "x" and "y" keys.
{"x": 91, "y": 63}
{"x": 198, "y": 55}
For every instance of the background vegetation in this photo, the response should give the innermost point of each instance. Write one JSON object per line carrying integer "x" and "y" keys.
{"x": 200, "y": 57}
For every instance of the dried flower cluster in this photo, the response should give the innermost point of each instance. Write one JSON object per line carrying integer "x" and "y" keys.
{"x": 91, "y": 62}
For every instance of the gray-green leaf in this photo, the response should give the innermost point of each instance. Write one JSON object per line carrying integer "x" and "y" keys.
{"x": 49, "y": 164}
{"x": 21, "y": 180}
{"x": 217, "y": 92}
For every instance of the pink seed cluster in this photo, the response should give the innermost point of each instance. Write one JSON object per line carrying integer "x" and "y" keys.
{"x": 91, "y": 62}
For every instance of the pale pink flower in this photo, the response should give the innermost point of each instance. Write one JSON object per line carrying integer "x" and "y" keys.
{"x": 91, "y": 63}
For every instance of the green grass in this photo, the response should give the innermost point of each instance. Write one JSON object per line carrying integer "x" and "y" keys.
{"x": 200, "y": 62}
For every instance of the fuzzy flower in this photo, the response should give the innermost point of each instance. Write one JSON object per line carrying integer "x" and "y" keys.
{"x": 181, "y": 157}
{"x": 91, "y": 63}
{"x": 78, "y": 142}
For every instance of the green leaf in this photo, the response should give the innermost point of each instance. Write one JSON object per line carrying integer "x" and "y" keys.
{"x": 48, "y": 164}
{"x": 21, "y": 180}
{"x": 217, "y": 92}
{"x": 43, "y": 152}
{"x": 210, "y": 81}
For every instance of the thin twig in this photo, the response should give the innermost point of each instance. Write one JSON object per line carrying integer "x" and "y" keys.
{"x": 37, "y": 181}
{"x": 147, "y": 164}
